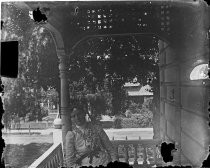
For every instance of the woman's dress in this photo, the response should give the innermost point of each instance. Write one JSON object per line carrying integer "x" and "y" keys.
{"x": 88, "y": 147}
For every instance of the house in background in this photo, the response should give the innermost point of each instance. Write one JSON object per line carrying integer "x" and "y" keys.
{"x": 138, "y": 93}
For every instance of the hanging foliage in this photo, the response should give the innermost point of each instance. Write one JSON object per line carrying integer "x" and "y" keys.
{"x": 107, "y": 63}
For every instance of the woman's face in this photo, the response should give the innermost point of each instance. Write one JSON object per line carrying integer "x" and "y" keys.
{"x": 78, "y": 117}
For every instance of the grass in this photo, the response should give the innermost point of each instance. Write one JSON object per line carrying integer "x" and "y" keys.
{"x": 22, "y": 156}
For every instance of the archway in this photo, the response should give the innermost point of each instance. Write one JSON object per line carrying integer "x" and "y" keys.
{"x": 135, "y": 51}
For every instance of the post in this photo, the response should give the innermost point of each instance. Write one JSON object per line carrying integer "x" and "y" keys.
{"x": 64, "y": 95}
{"x": 29, "y": 129}
{"x": 57, "y": 136}
{"x": 135, "y": 154}
{"x": 126, "y": 154}
{"x": 144, "y": 155}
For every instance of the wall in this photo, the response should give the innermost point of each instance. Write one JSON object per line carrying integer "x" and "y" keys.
{"x": 184, "y": 103}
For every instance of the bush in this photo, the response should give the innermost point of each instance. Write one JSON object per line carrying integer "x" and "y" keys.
{"x": 107, "y": 124}
{"x": 142, "y": 119}
{"x": 136, "y": 121}
{"x": 134, "y": 107}
{"x": 117, "y": 123}
{"x": 130, "y": 123}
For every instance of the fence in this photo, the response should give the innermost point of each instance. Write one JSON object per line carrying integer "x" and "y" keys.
{"x": 32, "y": 125}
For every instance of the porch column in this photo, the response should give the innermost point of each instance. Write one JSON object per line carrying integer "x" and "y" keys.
{"x": 64, "y": 91}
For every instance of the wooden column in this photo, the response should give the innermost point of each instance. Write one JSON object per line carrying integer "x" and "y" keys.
{"x": 65, "y": 98}
{"x": 162, "y": 58}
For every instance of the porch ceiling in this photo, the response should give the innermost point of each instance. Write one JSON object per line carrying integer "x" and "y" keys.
{"x": 77, "y": 21}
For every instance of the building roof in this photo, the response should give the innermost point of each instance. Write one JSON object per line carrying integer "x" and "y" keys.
{"x": 131, "y": 84}
{"x": 140, "y": 91}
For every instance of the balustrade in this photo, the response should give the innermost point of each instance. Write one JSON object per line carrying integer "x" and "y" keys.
{"x": 139, "y": 152}
{"x": 135, "y": 152}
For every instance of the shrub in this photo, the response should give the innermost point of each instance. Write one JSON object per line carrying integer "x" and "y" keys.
{"x": 130, "y": 123}
{"x": 136, "y": 121}
{"x": 107, "y": 124}
{"x": 117, "y": 123}
{"x": 134, "y": 107}
{"x": 142, "y": 119}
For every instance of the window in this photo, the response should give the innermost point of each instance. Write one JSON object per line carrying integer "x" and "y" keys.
{"x": 199, "y": 72}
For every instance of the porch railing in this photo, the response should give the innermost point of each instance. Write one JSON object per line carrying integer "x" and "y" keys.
{"x": 52, "y": 158}
{"x": 139, "y": 152}
{"x": 135, "y": 152}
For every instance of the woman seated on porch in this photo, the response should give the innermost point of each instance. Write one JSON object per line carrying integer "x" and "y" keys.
{"x": 87, "y": 144}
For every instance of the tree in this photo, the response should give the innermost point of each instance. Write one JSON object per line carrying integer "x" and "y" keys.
{"x": 37, "y": 63}
{"x": 117, "y": 60}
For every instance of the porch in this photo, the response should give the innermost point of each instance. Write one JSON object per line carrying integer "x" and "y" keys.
{"x": 182, "y": 46}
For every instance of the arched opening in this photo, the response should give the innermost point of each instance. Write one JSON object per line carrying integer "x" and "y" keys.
{"x": 142, "y": 52}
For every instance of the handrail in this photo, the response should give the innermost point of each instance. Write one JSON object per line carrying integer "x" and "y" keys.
{"x": 145, "y": 142}
{"x": 53, "y": 157}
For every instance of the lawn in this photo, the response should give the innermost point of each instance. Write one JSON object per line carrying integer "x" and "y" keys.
{"x": 21, "y": 156}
